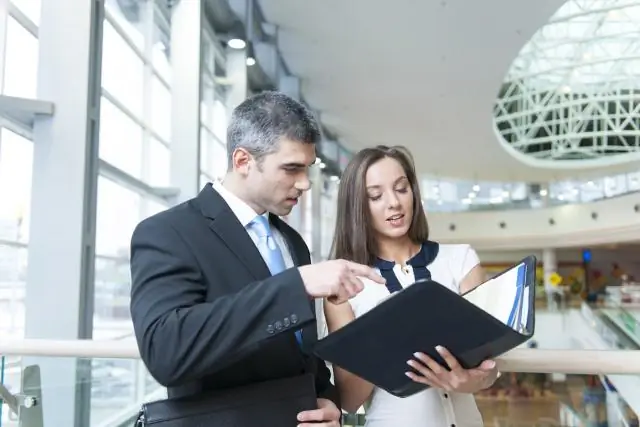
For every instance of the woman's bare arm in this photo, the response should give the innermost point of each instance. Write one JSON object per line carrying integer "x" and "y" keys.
{"x": 474, "y": 278}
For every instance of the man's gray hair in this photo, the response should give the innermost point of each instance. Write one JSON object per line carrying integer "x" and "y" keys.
{"x": 261, "y": 121}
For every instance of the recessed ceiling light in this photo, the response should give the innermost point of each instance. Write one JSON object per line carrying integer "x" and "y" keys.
{"x": 236, "y": 44}
{"x": 251, "y": 62}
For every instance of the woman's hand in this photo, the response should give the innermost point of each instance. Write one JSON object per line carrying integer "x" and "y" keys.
{"x": 457, "y": 379}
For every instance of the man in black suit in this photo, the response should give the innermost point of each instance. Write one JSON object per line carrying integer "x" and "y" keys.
{"x": 222, "y": 288}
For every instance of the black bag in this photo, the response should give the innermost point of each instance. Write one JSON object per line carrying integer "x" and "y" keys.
{"x": 271, "y": 403}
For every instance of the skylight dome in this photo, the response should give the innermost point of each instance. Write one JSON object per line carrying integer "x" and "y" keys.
{"x": 572, "y": 96}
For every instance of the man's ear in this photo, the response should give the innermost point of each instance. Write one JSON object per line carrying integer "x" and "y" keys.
{"x": 241, "y": 161}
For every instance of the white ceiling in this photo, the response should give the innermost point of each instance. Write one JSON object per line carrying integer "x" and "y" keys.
{"x": 423, "y": 73}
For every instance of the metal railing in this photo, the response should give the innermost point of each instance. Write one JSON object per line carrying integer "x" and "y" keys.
{"x": 592, "y": 362}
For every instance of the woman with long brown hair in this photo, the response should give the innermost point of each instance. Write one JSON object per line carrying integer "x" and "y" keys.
{"x": 381, "y": 223}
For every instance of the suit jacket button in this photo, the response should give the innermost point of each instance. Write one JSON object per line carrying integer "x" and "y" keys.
{"x": 278, "y": 325}
{"x": 287, "y": 322}
{"x": 270, "y": 329}
{"x": 294, "y": 319}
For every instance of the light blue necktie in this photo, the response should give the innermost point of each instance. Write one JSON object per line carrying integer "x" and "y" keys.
{"x": 270, "y": 251}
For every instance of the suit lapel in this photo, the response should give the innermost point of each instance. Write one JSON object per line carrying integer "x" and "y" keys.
{"x": 226, "y": 225}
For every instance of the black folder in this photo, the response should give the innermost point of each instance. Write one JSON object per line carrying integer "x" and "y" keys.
{"x": 377, "y": 345}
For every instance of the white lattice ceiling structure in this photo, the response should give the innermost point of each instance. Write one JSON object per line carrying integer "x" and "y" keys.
{"x": 427, "y": 74}
{"x": 572, "y": 96}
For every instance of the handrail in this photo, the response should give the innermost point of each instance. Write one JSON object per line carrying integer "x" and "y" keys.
{"x": 592, "y": 362}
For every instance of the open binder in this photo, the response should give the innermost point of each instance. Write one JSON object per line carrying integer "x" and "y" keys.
{"x": 488, "y": 321}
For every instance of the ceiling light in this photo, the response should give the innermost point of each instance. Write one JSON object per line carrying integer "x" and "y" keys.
{"x": 236, "y": 44}
{"x": 251, "y": 62}
{"x": 543, "y": 192}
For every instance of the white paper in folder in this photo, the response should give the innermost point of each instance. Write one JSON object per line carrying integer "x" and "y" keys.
{"x": 503, "y": 297}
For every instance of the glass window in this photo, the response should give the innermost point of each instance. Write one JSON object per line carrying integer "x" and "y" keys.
{"x": 205, "y": 151}
{"x": 122, "y": 70}
{"x": 219, "y": 126}
{"x": 31, "y": 8}
{"x": 13, "y": 274}
{"x": 152, "y": 207}
{"x": 615, "y": 185}
{"x": 160, "y": 109}
{"x": 131, "y": 21}
{"x": 21, "y": 61}
{"x": 118, "y": 214}
{"x": 213, "y": 155}
{"x": 633, "y": 181}
{"x": 114, "y": 228}
{"x": 204, "y": 180}
{"x": 159, "y": 164}
{"x": 160, "y": 52}
{"x": 208, "y": 59}
{"x": 16, "y": 166}
{"x": 591, "y": 190}
{"x": 120, "y": 139}
{"x": 111, "y": 316}
{"x": 207, "y": 101}
{"x": 219, "y": 158}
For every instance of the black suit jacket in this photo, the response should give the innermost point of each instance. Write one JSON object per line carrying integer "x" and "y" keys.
{"x": 206, "y": 311}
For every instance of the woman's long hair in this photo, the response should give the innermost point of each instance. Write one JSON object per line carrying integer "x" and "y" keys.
{"x": 354, "y": 238}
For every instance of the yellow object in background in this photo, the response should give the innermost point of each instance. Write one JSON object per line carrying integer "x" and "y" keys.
{"x": 555, "y": 279}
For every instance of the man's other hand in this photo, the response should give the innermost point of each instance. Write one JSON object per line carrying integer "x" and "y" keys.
{"x": 327, "y": 415}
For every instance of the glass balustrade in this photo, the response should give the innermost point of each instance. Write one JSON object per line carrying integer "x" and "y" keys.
{"x": 451, "y": 195}
{"x": 49, "y": 391}
{"x": 54, "y": 391}
{"x": 541, "y": 400}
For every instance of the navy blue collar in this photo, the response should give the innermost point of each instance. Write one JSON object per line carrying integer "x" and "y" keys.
{"x": 419, "y": 262}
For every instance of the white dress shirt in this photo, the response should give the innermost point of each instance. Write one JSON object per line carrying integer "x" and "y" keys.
{"x": 246, "y": 214}
{"x": 431, "y": 407}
